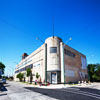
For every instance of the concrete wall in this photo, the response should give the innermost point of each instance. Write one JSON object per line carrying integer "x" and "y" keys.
{"x": 37, "y": 59}
{"x": 53, "y": 59}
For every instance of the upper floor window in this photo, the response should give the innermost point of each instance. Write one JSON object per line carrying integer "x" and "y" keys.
{"x": 53, "y": 49}
{"x": 69, "y": 53}
{"x": 84, "y": 63}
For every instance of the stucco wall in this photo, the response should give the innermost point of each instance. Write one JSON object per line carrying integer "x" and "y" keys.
{"x": 37, "y": 60}
{"x": 53, "y": 59}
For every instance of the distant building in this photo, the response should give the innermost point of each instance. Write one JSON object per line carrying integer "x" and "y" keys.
{"x": 56, "y": 62}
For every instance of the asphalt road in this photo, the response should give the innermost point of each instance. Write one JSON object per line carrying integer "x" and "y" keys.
{"x": 19, "y": 91}
{"x": 69, "y": 93}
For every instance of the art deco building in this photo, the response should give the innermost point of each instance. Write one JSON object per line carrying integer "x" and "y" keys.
{"x": 55, "y": 62}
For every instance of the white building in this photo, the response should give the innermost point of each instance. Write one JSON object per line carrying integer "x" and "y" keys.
{"x": 55, "y": 62}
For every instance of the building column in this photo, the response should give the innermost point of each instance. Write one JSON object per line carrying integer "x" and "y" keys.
{"x": 62, "y": 63}
{"x": 45, "y": 63}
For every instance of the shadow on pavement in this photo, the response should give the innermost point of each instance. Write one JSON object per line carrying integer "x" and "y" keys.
{"x": 2, "y": 88}
{"x": 61, "y": 95}
{"x": 48, "y": 92}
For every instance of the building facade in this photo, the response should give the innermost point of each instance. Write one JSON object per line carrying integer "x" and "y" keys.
{"x": 55, "y": 62}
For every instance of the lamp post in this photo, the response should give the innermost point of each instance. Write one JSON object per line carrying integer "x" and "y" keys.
{"x": 63, "y": 57}
{"x": 39, "y": 40}
{"x": 68, "y": 40}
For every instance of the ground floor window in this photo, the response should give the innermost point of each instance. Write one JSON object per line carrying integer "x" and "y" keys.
{"x": 54, "y": 77}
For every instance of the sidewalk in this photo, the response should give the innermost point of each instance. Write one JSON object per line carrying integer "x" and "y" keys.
{"x": 58, "y": 86}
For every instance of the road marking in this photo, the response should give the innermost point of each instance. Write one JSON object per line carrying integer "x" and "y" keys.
{"x": 84, "y": 93}
{"x": 77, "y": 89}
{"x": 90, "y": 93}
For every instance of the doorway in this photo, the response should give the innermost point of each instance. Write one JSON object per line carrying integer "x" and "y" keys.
{"x": 54, "y": 77}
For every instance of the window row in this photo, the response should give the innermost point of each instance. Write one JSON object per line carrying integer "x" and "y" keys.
{"x": 23, "y": 69}
{"x": 24, "y": 63}
{"x": 69, "y": 53}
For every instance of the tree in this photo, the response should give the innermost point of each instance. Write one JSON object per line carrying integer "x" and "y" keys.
{"x": 2, "y": 67}
{"x": 37, "y": 75}
{"x": 20, "y": 76}
{"x": 96, "y": 75}
{"x": 29, "y": 73}
{"x": 94, "y": 72}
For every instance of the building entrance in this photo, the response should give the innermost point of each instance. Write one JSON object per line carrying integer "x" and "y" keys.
{"x": 54, "y": 77}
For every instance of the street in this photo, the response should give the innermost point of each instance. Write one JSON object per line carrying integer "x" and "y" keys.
{"x": 19, "y": 91}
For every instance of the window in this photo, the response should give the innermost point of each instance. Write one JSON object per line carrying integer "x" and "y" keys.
{"x": 69, "y": 53}
{"x": 37, "y": 64}
{"x": 53, "y": 49}
{"x": 84, "y": 63}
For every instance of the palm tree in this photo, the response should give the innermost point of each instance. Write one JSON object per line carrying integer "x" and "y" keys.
{"x": 37, "y": 75}
{"x": 29, "y": 73}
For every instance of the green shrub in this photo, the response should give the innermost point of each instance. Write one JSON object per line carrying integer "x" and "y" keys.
{"x": 20, "y": 76}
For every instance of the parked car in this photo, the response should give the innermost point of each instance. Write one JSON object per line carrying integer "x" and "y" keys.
{"x": 3, "y": 80}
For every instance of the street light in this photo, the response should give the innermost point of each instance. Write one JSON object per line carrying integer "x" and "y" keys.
{"x": 39, "y": 40}
{"x": 68, "y": 40}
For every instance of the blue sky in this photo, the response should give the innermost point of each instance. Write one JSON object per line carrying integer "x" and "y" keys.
{"x": 21, "y": 21}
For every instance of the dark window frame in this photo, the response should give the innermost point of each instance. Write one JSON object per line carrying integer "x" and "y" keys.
{"x": 53, "y": 49}
{"x": 69, "y": 53}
